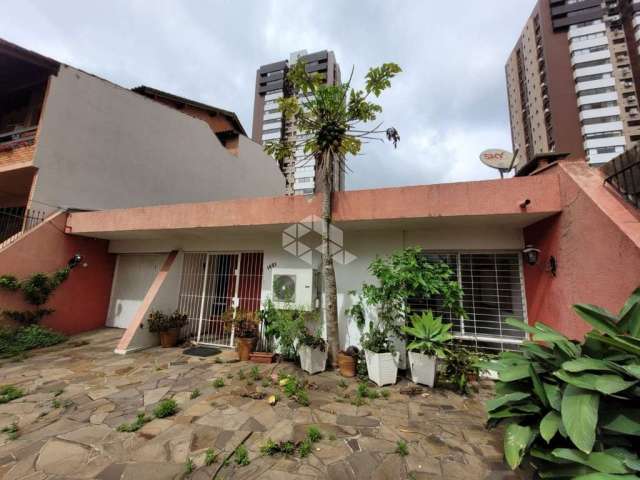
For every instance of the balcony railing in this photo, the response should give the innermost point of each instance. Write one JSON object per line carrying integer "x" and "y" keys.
{"x": 623, "y": 174}
{"x": 21, "y": 137}
{"x": 17, "y": 220}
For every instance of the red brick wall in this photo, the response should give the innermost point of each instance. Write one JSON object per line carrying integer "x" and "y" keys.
{"x": 82, "y": 301}
{"x": 596, "y": 241}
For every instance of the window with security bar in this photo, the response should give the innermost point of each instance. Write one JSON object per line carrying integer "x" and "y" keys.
{"x": 492, "y": 286}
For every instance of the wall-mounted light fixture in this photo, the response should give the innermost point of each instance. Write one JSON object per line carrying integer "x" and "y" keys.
{"x": 531, "y": 255}
{"x": 75, "y": 260}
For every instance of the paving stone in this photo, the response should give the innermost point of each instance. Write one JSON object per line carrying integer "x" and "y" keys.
{"x": 340, "y": 471}
{"x": 62, "y": 458}
{"x": 391, "y": 468}
{"x": 152, "y": 471}
{"x": 445, "y": 432}
{"x": 112, "y": 472}
{"x": 92, "y": 435}
{"x": 355, "y": 421}
{"x": 154, "y": 396}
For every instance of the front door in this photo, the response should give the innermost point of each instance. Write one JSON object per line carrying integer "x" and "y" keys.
{"x": 214, "y": 286}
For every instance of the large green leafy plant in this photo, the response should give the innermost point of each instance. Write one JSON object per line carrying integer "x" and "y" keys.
{"x": 427, "y": 334}
{"x": 403, "y": 275}
{"x": 573, "y": 409}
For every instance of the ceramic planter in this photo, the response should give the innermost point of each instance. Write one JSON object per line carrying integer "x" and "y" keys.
{"x": 312, "y": 360}
{"x": 169, "y": 338}
{"x": 244, "y": 347}
{"x": 382, "y": 367}
{"x": 423, "y": 368}
{"x": 347, "y": 365}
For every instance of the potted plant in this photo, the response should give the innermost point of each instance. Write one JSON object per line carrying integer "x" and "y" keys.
{"x": 168, "y": 326}
{"x": 312, "y": 350}
{"x": 348, "y": 361}
{"x": 285, "y": 327}
{"x": 428, "y": 336}
{"x": 266, "y": 315}
{"x": 382, "y": 359}
{"x": 245, "y": 331}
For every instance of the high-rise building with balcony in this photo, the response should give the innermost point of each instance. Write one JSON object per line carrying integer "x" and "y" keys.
{"x": 269, "y": 124}
{"x": 573, "y": 80}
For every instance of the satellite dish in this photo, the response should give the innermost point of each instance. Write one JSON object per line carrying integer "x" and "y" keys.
{"x": 499, "y": 159}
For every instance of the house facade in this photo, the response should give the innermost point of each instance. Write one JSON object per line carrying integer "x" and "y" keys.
{"x": 206, "y": 258}
{"x": 71, "y": 140}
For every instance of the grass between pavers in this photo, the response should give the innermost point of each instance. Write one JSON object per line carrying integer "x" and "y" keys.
{"x": 303, "y": 448}
{"x": 9, "y": 393}
{"x": 165, "y": 408}
{"x": 12, "y": 431}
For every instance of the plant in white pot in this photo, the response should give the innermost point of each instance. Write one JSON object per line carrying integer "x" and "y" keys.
{"x": 428, "y": 337}
{"x": 312, "y": 350}
{"x": 382, "y": 359}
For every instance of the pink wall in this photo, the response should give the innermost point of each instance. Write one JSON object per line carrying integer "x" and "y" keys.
{"x": 596, "y": 241}
{"x": 82, "y": 301}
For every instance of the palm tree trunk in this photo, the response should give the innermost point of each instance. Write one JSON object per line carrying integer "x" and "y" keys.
{"x": 328, "y": 273}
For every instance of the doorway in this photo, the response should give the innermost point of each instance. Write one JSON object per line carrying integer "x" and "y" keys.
{"x": 214, "y": 287}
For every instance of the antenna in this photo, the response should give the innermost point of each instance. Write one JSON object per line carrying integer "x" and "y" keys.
{"x": 501, "y": 160}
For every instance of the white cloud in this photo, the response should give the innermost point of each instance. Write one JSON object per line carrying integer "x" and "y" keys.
{"x": 448, "y": 104}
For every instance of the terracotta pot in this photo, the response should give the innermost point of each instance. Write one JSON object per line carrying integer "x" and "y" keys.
{"x": 262, "y": 357}
{"x": 347, "y": 365}
{"x": 244, "y": 347}
{"x": 169, "y": 338}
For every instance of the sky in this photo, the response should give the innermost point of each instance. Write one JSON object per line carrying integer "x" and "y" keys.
{"x": 448, "y": 104}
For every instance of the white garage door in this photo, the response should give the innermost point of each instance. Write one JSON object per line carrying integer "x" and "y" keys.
{"x": 133, "y": 276}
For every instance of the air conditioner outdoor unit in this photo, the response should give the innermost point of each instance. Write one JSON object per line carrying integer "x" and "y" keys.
{"x": 294, "y": 288}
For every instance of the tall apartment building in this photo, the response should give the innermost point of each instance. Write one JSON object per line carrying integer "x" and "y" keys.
{"x": 573, "y": 80}
{"x": 269, "y": 124}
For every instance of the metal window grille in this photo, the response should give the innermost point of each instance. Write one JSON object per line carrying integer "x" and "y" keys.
{"x": 493, "y": 291}
{"x": 214, "y": 286}
{"x": 17, "y": 220}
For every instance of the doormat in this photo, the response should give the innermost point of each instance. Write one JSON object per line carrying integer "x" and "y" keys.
{"x": 202, "y": 351}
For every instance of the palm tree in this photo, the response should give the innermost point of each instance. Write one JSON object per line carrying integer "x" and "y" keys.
{"x": 330, "y": 117}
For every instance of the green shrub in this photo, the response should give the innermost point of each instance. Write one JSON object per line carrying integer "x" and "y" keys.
{"x": 9, "y": 392}
{"x": 294, "y": 388}
{"x": 14, "y": 341}
{"x": 161, "y": 322}
{"x": 194, "y": 394}
{"x": 136, "y": 425}
{"x": 305, "y": 448}
{"x": 166, "y": 408}
{"x": 460, "y": 364}
{"x": 189, "y": 466}
{"x": 241, "y": 456}
{"x": 269, "y": 448}
{"x": 314, "y": 434}
{"x": 255, "y": 375}
{"x": 572, "y": 407}
{"x": 210, "y": 457}
{"x": 218, "y": 383}
{"x": 401, "y": 448}
{"x": 12, "y": 431}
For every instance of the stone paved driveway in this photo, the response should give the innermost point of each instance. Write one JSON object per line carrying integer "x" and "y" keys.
{"x": 78, "y": 393}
